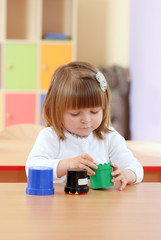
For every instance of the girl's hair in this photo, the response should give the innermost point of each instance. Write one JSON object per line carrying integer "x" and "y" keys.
{"x": 74, "y": 86}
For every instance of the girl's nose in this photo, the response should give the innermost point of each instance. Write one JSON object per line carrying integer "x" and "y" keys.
{"x": 85, "y": 119}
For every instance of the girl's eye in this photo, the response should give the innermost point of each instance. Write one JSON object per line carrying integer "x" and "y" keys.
{"x": 74, "y": 114}
{"x": 94, "y": 112}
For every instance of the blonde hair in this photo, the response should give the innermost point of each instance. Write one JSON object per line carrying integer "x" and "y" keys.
{"x": 74, "y": 86}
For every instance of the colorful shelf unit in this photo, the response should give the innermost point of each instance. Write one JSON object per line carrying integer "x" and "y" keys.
{"x": 36, "y": 36}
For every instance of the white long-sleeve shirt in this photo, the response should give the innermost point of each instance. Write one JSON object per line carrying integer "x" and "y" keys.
{"x": 48, "y": 150}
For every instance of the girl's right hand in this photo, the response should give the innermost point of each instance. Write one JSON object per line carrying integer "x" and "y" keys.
{"x": 83, "y": 161}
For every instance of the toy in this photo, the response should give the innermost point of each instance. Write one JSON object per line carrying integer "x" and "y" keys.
{"x": 76, "y": 182}
{"x": 40, "y": 181}
{"x": 102, "y": 178}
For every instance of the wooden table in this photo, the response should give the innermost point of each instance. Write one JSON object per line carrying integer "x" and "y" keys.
{"x": 13, "y": 156}
{"x": 134, "y": 213}
{"x": 16, "y": 143}
{"x": 14, "y": 153}
{"x": 149, "y": 155}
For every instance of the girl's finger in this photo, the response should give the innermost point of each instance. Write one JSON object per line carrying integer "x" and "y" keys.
{"x": 123, "y": 185}
{"x": 115, "y": 167}
{"x": 89, "y": 163}
{"x": 90, "y": 172}
{"x": 86, "y": 156}
{"x": 118, "y": 178}
{"x": 116, "y": 172}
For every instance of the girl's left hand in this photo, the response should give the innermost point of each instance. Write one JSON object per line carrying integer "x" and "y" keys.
{"x": 125, "y": 176}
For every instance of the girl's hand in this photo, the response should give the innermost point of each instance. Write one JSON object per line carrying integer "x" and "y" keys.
{"x": 125, "y": 176}
{"x": 83, "y": 161}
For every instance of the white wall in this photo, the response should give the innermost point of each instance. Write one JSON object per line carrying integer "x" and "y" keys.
{"x": 102, "y": 36}
{"x": 145, "y": 68}
{"x": 117, "y": 34}
{"x": 91, "y": 31}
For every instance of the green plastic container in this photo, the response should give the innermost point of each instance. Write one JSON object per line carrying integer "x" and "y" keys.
{"x": 102, "y": 178}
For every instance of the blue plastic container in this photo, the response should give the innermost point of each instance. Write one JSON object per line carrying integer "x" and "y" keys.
{"x": 40, "y": 181}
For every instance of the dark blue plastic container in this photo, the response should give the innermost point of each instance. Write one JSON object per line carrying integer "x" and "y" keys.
{"x": 40, "y": 181}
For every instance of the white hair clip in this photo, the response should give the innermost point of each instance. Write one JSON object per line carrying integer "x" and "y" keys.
{"x": 102, "y": 81}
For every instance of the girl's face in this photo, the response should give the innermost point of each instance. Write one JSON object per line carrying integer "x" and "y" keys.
{"x": 82, "y": 121}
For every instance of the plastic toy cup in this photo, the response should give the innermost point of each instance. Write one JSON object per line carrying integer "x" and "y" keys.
{"x": 76, "y": 181}
{"x": 40, "y": 181}
{"x": 102, "y": 178}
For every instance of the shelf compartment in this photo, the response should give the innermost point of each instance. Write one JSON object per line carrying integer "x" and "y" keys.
{"x": 57, "y": 17}
{"x": 21, "y": 19}
{"x": 42, "y": 98}
{"x": 20, "y": 108}
{"x": 52, "y": 56}
{"x": 21, "y": 66}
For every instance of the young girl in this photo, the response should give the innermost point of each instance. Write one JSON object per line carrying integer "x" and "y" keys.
{"x": 78, "y": 135}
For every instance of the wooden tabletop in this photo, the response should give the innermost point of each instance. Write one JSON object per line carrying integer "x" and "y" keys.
{"x": 147, "y": 153}
{"x": 134, "y": 213}
{"x": 15, "y": 152}
{"x": 16, "y": 143}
